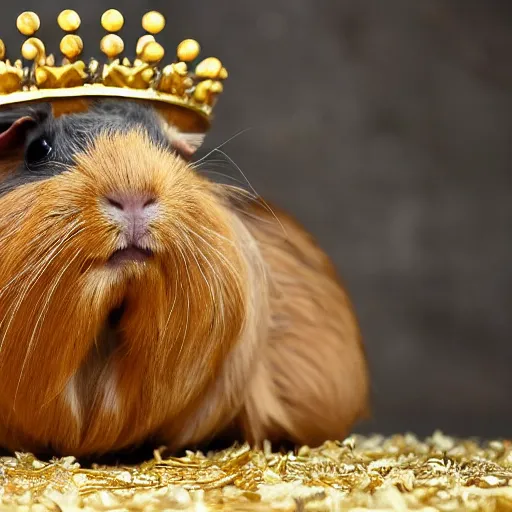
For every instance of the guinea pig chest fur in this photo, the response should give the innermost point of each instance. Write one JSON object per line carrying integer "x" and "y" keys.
{"x": 141, "y": 302}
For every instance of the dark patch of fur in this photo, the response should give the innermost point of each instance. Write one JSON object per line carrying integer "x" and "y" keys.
{"x": 74, "y": 133}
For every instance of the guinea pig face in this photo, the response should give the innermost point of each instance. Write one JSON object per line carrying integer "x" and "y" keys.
{"x": 100, "y": 212}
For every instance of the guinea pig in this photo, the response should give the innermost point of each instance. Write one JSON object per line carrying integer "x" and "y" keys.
{"x": 142, "y": 302}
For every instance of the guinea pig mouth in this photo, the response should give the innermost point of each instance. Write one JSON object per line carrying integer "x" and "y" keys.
{"x": 129, "y": 254}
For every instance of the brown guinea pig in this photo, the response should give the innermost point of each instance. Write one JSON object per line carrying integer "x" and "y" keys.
{"x": 141, "y": 302}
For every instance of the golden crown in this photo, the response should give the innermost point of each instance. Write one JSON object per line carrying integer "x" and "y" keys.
{"x": 184, "y": 90}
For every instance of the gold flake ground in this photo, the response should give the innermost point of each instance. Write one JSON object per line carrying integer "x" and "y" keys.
{"x": 398, "y": 473}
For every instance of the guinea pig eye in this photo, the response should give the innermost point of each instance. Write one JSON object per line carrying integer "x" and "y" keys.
{"x": 37, "y": 151}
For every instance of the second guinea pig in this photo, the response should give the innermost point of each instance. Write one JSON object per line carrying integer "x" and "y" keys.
{"x": 141, "y": 302}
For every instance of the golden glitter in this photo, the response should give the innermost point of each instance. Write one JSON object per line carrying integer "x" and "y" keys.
{"x": 361, "y": 473}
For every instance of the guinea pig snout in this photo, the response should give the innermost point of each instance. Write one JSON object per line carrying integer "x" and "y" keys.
{"x": 132, "y": 213}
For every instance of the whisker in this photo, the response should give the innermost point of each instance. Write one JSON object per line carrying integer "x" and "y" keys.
{"x": 240, "y": 194}
{"x": 172, "y": 309}
{"x": 192, "y": 250}
{"x": 214, "y": 234}
{"x": 226, "y": 263}
{"x": 39, "y": 271}
{"x": 241, "y": 132}
{"x": 254, "y": 191}
{"x": 48, "y": 247}
{"x": 254, "y": 216}
{"x": 43, "y": 265}
{"x": 217, "y": 300}
{"x": 224, "y": 175}
{"x": 188, "y": 302}
{"x": 41, "y": 317}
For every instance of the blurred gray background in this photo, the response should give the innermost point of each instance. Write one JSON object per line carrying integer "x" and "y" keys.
{"x": 386, "y": 128}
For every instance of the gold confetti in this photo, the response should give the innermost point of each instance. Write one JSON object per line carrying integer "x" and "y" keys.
{"x": 361, "y": 473}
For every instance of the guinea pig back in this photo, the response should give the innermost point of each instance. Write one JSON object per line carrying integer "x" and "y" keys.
{"x": 140, "y": 301}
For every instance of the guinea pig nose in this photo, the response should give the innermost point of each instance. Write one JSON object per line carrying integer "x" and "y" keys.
{"x": 130, "y": 202}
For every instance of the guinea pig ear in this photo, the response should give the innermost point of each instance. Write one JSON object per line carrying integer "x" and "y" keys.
{"x": 15, "y": 122}
{"x": 185, "y": 144}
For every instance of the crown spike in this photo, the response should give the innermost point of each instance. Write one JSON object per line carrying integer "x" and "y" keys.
{"x": 69, "y": 20}
{"x": 71, "y": 46}
{"x": 28, "y": 23}
{"x": 209, "y": 68}
{"x": 142, "y": 42}
{"x": 112, "y": 45}
{"x": 148, "y": 50}
{"x": 152, "y": 53}
{"x": 216, "y": 88}
{"x": 2, "y": 50}
{"x": 33, "y": 49}
{"x": 112, "y": 20}
{"x": 202, "y": 89}
{"x": 153, "y": 22}
{"x": 188, "y": 50}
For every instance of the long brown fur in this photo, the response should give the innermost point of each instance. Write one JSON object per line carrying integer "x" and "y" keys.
{"x": 311, "y": 382}
{"x": 239, "y": 319}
